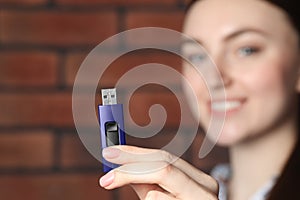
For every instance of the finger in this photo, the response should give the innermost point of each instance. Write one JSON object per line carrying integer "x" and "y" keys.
{"x": 124, "y": 154}
{"x": 169, "y": 178}
{"x": 153, "y": 195}
{"x": 143, "y": 189}
{"x": 200, "y": 177}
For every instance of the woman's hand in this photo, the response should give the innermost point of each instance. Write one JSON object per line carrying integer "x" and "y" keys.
{"x": 156, "y": 174}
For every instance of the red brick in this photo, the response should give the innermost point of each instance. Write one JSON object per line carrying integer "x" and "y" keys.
{"x": 115, "y": 2}
{"x": 169, "y": 20}
{"x": 74, "y": 154}
{"x": 56, "y": 109}
{"x": 36, "y": 110}
{"x": 121, "y": 65}
{"x": 158, "y": 141}
{"x": 52, "y": 186}
{"x": 73, "y": 62}
{"x": 180, "y": 147}
{"x": 26, "y": 149}
{"x": 141, "y": 102}
{"x": 28, "y": 69}
{"x": 56, "y": 28}
{"x": 23, "y": 2}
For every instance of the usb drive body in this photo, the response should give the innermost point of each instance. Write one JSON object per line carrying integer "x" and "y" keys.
{"x": 111, "y": 122}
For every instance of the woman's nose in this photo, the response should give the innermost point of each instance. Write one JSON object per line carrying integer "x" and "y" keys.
{"x": 222, "y": 77}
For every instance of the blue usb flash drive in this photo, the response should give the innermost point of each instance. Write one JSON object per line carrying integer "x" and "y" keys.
{"x": 111, "y": 122}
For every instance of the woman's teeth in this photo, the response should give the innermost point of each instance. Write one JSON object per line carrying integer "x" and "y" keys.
{"x": 223, "y": 106}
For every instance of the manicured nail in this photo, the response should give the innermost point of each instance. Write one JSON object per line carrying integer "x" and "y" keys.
{"x": 111, "y": 153}
{"x": 107, "y": 179}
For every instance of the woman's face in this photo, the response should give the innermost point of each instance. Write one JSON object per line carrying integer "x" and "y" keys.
{"x": 256, "y": 51}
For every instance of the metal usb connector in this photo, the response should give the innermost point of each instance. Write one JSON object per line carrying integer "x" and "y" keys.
{"x": 109, "y": 96}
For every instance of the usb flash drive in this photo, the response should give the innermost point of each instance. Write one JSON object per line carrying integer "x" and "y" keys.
{"x": 111, "y": 122}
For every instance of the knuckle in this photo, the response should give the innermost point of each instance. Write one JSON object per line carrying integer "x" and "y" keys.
{"x": 167, "y": 157}
{"x": 165, "y": 171}
{"x": 211, "y": 183}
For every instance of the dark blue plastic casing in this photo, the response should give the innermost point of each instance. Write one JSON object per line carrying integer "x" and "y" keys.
{"x": 111, "y": 113}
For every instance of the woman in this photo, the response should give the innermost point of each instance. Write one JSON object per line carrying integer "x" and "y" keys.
{"x": 255, "y": 44}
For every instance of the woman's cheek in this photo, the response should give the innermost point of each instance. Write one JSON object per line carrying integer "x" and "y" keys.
{"x": 269, "y": 90}
{"x": 195, "y": 87}
{"x": 200, "y": 108}
{"x": 277, "y": 70}
{"x": 267, "y": 73}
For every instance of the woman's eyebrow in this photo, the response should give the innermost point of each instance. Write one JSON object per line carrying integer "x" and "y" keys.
{"x": 191, "y": 41}
{"x": 242, "y": 31}
{"x": 227, "y": 37}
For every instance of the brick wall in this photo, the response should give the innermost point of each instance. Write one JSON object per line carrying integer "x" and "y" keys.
{"x": 42, "y": 44}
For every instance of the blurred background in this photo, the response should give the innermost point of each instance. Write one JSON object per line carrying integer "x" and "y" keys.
{"x": 42, "y": 45}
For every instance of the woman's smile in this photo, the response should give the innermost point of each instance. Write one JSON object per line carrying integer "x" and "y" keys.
{"x": 229, "y": 106}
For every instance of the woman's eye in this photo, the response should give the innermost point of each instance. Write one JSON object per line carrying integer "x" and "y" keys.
{"x": 247, "y": 51}
{"x": 196, "y": 58}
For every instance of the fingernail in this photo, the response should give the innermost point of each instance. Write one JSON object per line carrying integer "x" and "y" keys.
{"x": 107, "y": 179}
{"x": 111, "y": 153}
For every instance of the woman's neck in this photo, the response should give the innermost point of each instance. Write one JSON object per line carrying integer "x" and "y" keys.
{"x": 256, "y": 161}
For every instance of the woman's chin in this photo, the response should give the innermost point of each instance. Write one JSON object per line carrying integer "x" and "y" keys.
{"x": 227, "y": 139}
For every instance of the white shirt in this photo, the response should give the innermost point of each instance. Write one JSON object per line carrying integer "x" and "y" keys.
{"x": 222, "y": 174}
